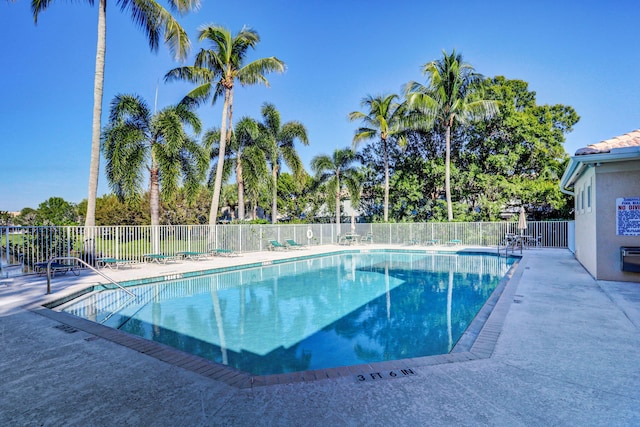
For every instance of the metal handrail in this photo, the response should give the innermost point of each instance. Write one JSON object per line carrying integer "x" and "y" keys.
{"x": 85, "y": 264}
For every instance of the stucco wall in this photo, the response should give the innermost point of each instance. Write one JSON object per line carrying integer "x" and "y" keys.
{"x": 613, "y": 180}
{"x": 585, "y": 221}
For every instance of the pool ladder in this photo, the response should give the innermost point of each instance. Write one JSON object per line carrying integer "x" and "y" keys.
{"x": 68, "y": 258}
{"x": 513, "y": 244}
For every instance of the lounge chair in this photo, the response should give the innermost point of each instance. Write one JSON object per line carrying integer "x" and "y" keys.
{"x": 274, "y": 245}
{"x": 192, "y": 255}
{"x": 115, "y": 263}
{"x": 223, "y": 252}
{"x": 160, "y": 258}
{"x": 56, "y": 267}
{"x": 454, "y": 242}
{"x": 432, "y": 242}
{"x": 294, "y": 245}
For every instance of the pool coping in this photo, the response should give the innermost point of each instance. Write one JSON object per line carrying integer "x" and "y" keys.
{"x": 477, "y": 342}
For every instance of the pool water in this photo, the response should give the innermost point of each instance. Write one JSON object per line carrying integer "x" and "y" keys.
{"x": 316, "y": 313}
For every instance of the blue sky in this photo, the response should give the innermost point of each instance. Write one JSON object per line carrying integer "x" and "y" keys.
{"x": 579, "y": 53}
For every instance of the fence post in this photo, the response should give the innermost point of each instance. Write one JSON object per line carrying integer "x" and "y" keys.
{"x": 6, "y": 237}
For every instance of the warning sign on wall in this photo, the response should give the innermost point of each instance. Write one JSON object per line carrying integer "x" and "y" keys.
{"x": 628, "y": 216}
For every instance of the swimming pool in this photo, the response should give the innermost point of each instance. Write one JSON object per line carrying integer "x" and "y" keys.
{"x": 316, "y": 313}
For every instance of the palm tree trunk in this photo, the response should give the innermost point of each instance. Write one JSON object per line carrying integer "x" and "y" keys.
{"x": 217, "y": 185}
{"x": 154, "y": 196}
{"x": 386, "y": 180}
{"x": 274, "y": 199}
{"x": 240, "y": 182}
{"x": 154, "y": 204}
{"x": 98, "y": 84}
{"x": 338, "y": 202}
{"x": 447, "y": 173}
{"x": 230, "y": 116}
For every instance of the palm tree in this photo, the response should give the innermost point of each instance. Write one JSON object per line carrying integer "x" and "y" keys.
{"x": 384, "y": 119}
{"x": 216, "y": 71}
{"x": 135, "y": 141}
{"x": 281, "y": 142}
{"x": 453, "y": 95}
{"x": 155, "y": 21}
{"x": 336, "y": 172}
{"x": 245, "y": 153}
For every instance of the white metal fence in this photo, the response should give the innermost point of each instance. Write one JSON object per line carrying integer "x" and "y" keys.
{"x": 30, "y": 245}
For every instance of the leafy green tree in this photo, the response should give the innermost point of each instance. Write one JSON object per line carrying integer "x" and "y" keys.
{"x": 216, "y": 71}
{"x": 384, "y": 119}
{"x": 518, "y": 156}
{"x": 5, "y": 218}
{"x": 136, "y": 141}
{"x": 335, "y": 173}
{"x": 27, "y": 217}
{"x": 229, "y": 198}
{"x": 155, "y": 21}
{"x": 281, "y": 138}
{"x": 245, "y": 154}
{"x": 56, "y": 211}
{"x": 453, "y": 95}
{"x": 112, "y": 211}
{"x": 181, "y": 208}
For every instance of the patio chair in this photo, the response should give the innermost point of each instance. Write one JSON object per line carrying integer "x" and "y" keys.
{"x": 347, "y": 239}
{"x": 6, "y": 269}
{"x": 367, "y": 238}
{"x": 535, "y": 242}
{"x": 274, "y": 245}
{"x": 294, "y": 245}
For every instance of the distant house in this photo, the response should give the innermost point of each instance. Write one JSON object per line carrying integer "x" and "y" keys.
{"x": 604, "y": 179}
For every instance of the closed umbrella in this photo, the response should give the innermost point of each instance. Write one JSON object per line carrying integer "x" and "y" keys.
{"x": 522, "y": 221}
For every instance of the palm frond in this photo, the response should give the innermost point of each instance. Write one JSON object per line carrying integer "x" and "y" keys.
{"x": 254, "y": 72}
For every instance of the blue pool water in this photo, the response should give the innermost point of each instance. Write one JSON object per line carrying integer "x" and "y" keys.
{"x": 316, "y": 313}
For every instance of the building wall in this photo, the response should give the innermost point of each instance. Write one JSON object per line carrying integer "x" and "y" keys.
{"x": 585, "y": 221}
{"x": 612, "y": 180}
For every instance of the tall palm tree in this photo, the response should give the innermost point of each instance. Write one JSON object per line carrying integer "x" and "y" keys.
{"x": 245, "y": 153}
{"x": 155, "y": 21}
{"x": 337, "y": 172}
{"x": 135, "y": 141}
{"x": 281, "y": 142}
{"x": 453, "y": 95}
{"x": 384, "y": 119}
{"x": 216, "y": 71}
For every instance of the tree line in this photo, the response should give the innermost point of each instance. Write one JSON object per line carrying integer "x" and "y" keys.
{"x": 458, "y": 146}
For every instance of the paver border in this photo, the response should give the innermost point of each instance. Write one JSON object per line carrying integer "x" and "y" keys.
{"x": 477, "y": 342}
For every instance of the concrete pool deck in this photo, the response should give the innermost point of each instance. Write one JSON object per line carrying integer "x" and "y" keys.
{"x": 567, "y": 352}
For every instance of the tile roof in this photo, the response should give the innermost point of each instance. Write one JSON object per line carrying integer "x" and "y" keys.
{"x": 631, "y": 139}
